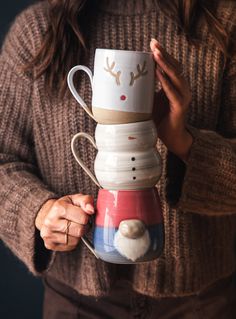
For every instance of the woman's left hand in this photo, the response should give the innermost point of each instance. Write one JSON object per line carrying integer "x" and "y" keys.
{"x": 172, "y": 103}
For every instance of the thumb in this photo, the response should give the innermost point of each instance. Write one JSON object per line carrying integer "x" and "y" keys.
{"x": 86, "y": 202}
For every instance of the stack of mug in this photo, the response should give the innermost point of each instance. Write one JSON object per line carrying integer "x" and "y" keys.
{"x": 129, "y": 221}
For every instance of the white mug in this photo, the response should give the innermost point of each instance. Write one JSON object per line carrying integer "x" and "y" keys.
{"x": 137, "y": 136}
{"x": 130, "y": 170}
{"x": 123, "y": 86}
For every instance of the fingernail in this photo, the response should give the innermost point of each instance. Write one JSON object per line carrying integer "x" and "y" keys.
{"x": 89, "y": 208}
{"x": 153, "y": 44}
{"x": 154, "y": 40}
{"x": 157, "y": 44}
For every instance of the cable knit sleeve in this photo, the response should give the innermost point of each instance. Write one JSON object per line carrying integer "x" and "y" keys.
{"x": 22, "y": 192}
{"x": 209, "y": 185}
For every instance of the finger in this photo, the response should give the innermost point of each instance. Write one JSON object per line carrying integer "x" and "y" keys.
{"x": 172, "y": 73}
{"x": 166, "y": 57}
{"x": 59, "y": 238}
{"x": 63, "y": 248}
{"x": 170, "y": 91}
{"x": 162, "y": 107}
{"x": 86, "y": 202}
{"x": 59, "y": 247}
{"x": 66, "y": 210}
{"x": 154, "y": 44}
{"x": 52, "y": 238}
{"x": 75, "y": 230}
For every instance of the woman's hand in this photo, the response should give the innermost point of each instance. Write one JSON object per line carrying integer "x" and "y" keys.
{"x": 62, "y": 222}
{"x": 171, "y": 103}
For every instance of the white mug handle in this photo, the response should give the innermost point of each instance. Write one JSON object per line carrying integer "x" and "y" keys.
{"x": 70, "y": 82}
{"x": 77, "y": 156}
{"x": 89, "y": 245}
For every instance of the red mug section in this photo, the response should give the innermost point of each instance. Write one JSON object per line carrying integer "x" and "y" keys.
{"x": 113, "y": 206}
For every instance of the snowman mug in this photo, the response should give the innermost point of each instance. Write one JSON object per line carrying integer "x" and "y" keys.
{"x": 119, "y": 169}
{"x": 123, "y": 86}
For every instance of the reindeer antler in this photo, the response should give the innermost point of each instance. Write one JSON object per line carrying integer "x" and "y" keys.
{"x": 110, "y": 70}
{"x": 141, "y": 72}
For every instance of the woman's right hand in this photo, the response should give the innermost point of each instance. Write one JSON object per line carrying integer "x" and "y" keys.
{"x": 63, "y": 221}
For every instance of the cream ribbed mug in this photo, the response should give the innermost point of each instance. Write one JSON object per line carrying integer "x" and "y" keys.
{"x": 123, "y": 86}
{"x": 126, "y": 159}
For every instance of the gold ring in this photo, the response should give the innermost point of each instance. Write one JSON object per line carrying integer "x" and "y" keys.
{"x": 67, "y": 230}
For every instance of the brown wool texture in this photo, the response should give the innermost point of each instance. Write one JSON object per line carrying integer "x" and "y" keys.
{"x": 198, "y": 198}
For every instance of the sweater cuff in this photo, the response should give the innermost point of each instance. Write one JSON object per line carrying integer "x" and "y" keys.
{"x": 22, "y": 237}
{"x": 209, "y": 185}
{"x": 36, "y": 256}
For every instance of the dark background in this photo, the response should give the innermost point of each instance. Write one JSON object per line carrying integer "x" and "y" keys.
{"x": 20, "y": 293}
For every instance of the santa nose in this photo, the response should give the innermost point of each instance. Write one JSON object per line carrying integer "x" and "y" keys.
{"x": 132, "y": 228}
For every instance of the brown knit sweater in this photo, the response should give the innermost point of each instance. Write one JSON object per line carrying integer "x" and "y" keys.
{"x": 199, "y": 199}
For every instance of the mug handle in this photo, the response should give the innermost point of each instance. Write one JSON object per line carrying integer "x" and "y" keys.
{"x": 70, "y": 82}
{"x": 77, "y": 156}
{"x": 85, "y": 240}
{"x": 89, "y": 245}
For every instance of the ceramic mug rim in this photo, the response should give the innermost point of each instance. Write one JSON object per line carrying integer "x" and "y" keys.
{"x": 131, "y": 124}
{"x": 142, "y": 190}
{"x": 126, "y": 51}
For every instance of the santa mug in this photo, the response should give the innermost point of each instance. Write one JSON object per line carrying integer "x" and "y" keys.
{"x": 128, "y": 226}
{"x": 123, "y": 86}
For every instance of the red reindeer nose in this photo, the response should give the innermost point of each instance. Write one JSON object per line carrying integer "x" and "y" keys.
{"x": 123, "y": 97}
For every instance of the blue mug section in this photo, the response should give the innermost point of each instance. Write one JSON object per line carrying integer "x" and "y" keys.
{"x": 103, "y": 241}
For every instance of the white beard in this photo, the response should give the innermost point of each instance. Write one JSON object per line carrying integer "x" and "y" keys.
{"x": 132, "y": 248}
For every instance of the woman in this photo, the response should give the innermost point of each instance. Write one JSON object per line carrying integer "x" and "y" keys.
{"x": 46, "y": 199}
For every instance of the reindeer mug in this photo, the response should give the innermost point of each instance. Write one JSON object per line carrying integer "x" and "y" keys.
{"x": 123, "y": 86}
